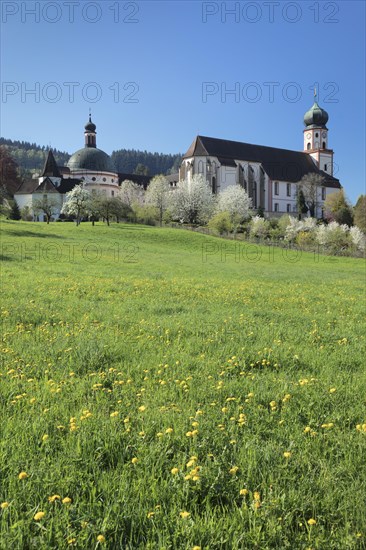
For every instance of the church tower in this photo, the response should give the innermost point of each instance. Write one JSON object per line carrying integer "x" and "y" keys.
{"x": 316, "y": 138}
{"x": 90, "y": 133}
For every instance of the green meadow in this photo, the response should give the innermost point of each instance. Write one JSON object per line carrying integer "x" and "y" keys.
{"x": 162, "y": 389}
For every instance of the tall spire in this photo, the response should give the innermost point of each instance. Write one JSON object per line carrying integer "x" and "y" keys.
{"x": 50, "y": 168}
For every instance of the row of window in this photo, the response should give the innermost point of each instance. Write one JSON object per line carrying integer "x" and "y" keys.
{"x": 288, "y": 189}
{"x": 288, "y": 207}
{"x": 104, "y": 179}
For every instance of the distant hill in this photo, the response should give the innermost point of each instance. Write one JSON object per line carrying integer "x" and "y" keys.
{"x": 30, "y": 158}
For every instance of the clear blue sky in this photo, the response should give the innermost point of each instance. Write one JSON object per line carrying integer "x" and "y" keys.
{"x": 157, "y": 73}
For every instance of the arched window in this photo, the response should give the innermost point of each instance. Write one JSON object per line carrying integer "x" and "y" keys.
{"x": 308, "y": 146}
{"x": 323, "y": 144}
{"x": 200, "y": 167}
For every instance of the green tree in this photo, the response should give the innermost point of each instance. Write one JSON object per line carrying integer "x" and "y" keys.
{"x": 360, "y": 213}
{"x": 47, "y": 205}
{"x": 337, "y": 208}
{"x": 14, "y": 213}
{"x": 301, "y": 204}
{"x": 141, "y": 170}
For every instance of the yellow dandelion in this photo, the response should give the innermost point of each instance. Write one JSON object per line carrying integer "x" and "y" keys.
{"x": 233, "y": 470}
{"x": 114, "y": 414}
{"x": 71, "y": 541}
{"x": 66, "y": 500}
{"x": 53, "y": 498}
{"x": 23, "y": 475}
{"x": 159, "y": 434}
{"x": 332, "y": 390}
{"x": 312, "y": 521}
{"x": 39, "y": 515}
{"x": 134, "y": 460}
{"x": 101, "y": 539}
{"x": 150, "y": 514}
{"x": 196, "y": 548}
{"x": 4, "y": 505}
{"x": 184, "y": 515}
{"x": 169, "y": 430}
{"x": 174, "y": 471}
{"x": 287, "y": 454}
{"x": 243, "y": 492}
{"x": 45, "y": 437}
{"x": 256, "y": 495}
{"x": 307, "y": 429}
{"x": 142, "y": 408}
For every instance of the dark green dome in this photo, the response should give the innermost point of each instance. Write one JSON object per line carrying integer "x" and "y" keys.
{"x": 316, "y": 116}
{"x": 91, "y": 158}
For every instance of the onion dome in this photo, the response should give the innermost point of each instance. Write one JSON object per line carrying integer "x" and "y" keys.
{"x": 90, "y": 126}
{"x": 316, "y": 116}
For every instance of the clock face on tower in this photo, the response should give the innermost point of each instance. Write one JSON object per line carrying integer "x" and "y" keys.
{"x": 308, "y": 135}
{"x": 324, "y": 134}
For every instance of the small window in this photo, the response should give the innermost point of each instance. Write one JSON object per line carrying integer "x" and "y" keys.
{"x": 112, "y": 193}
{"x": 325, "y": 167}
{"x": 324, "y": 145}
{"x": 309, "y": 146}
{"x": 276, "y": 207}
{"x": 289, "y": 208}
{"x": 323, "y": 193}
{"x": 288, "y": 189}
{"x": 317, "y": 135}
{"x": 94, "y": 179}
{"x": 112, "y": 180}
{"x": 104, "y": 179}
{"x": 276, "y": 188}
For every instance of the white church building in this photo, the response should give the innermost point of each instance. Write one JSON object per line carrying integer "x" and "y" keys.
{"x": 270, "y": 175}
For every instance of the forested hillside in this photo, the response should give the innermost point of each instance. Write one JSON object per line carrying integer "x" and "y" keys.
{"x": 30, "y": 158}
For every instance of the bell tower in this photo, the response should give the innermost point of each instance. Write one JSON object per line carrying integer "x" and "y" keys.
{"x": 90, "y": 133}
{"x": 316, "y": 137}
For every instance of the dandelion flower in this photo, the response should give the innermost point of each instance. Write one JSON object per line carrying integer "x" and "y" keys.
{"x": 53, "y": 498}
{"x": 174, "y": 471}
{"x": 150, "y": 514}
{"x": 66, "y": 500}
{"x": 45, "y": 437}
{"x": 312, "y": 521}
{"x": 196, "y": 548}
{"x": 184, "y": 515}
{"x": 256, "y": 495}
{"x": 287, "y": 454}
{"x": 101, "y": 539}
{"x": 114, "y": 414}
{"x": 233, "y": 470}
{"x": 134, "y": 460}
{"x": 23, "y": 475}
{"x": 243, "y": 492}
{"x": 142, "y": 408}
{"x": 39, "y": 515}
{"x": 169, "y": 430}
{"x": 4, "y": 505}
{"x": 332, "y": 390}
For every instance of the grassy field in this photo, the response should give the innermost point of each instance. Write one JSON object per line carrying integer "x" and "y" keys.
{"x": 162, "y": 389}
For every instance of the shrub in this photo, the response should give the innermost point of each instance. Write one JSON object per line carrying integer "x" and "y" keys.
{"x": 221, "y": 223}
